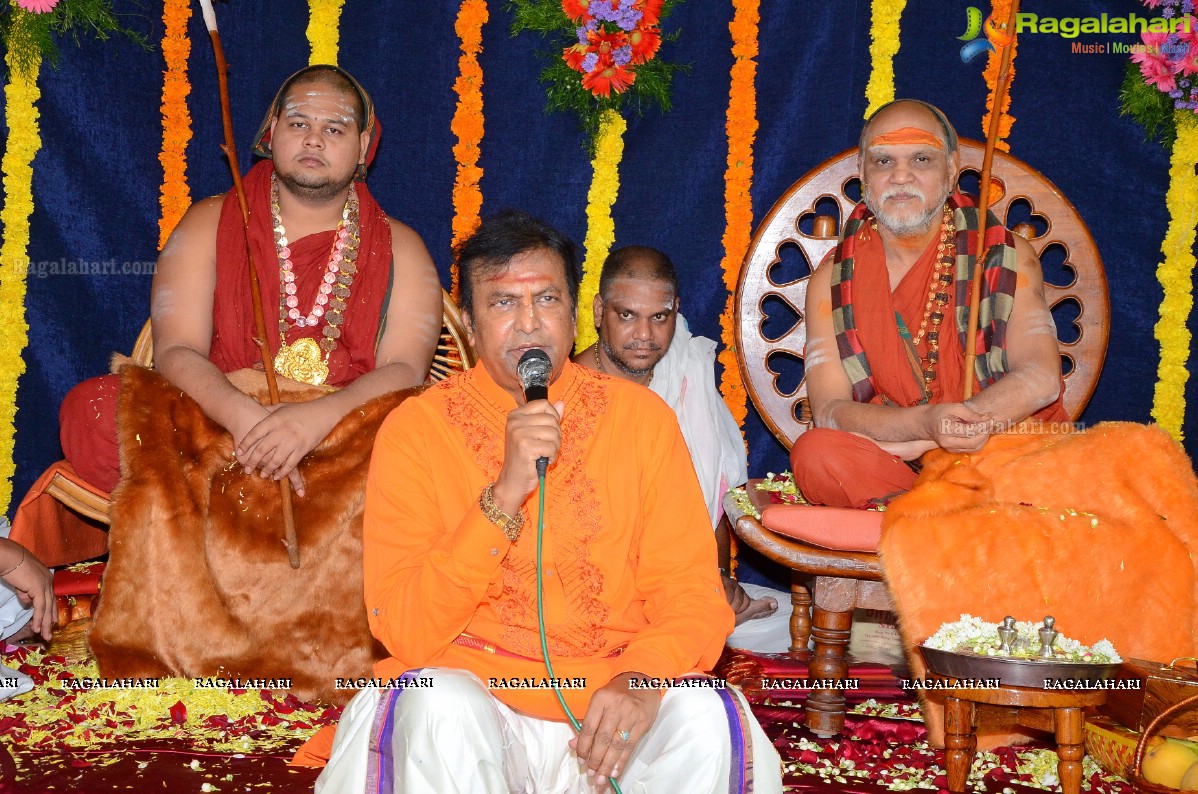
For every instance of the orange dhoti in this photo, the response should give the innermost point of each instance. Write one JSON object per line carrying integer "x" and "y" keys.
{"x": 839, "y": 469}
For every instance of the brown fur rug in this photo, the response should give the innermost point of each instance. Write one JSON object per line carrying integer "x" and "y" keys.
{"x": 198, "y": 581}
{"x": 1098, "y": 529}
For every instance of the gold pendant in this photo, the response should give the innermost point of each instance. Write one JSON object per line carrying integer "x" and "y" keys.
{"x": 301, "y": 360}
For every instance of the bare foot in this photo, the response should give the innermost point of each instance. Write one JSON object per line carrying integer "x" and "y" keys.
{"x": 747, "y": 608}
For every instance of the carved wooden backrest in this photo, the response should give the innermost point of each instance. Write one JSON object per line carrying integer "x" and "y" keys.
{"x": 802, "y": 227}
{"x": 453, "y": 353}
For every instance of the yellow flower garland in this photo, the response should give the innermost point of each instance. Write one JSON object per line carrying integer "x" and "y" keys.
{"x": 741, "y": 127}
{"x": 324, "y": 30}
{"x": 601, "y": 229}
{"x": 176, "y": 119}
{"x": 884, "y": 30}
{"x": 467, "y": 125}
{"x": 1175, "y": 274}
{"x": 20, "y": 95}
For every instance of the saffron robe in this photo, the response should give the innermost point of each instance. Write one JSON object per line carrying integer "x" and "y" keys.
{"x": 630, "y": 581}
{"x": 832, "y": 469}
{"x": 233, "y": 346}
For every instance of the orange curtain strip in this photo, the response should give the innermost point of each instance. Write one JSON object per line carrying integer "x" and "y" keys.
{"x": 175, "y": 196}
{"x": 467, "y": 125}
{"x": 738, "y": 179}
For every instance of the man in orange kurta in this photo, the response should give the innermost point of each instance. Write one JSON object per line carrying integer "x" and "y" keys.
{"x": 632, "y": 595}
{"x": 886, "y": 323}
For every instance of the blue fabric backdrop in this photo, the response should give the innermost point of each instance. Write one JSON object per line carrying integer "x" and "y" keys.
{"x": 97, "y": 176}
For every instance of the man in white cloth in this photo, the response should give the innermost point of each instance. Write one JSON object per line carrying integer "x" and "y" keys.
{"x": 633, "y": 607}
{"x": 644, "y": 339}
{"x": 27, "y": 606}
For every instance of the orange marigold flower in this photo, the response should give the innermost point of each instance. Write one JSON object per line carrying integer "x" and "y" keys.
{"x": 576, "y": 10}
{"x": 644, "y": 42}
{"x": 650, "y": 11}
{"x": 609, "y": 77}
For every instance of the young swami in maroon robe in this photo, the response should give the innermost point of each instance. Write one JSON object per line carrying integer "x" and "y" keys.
{"x": 88, "y": 414}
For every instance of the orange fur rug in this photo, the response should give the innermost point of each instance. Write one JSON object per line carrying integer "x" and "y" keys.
{"x": 1098, "y": 529}
{"x": 198, "y": 581}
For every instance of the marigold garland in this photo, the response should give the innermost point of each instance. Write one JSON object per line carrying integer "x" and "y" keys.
{"x": 741, "y": 128}
{"x": 1176, "y": 276}
{"x": 324, "y": 30}
{"x": 176, "y": 118}
{"x": 884, "y": 32}
{"x": 1000, "y": 11}
{"x": 601, "y": 229}
{"x": 20, "y": 95}
{"x": 467, "y": 126}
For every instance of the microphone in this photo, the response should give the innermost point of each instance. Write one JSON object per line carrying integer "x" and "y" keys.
{"x": 533, "y": 370}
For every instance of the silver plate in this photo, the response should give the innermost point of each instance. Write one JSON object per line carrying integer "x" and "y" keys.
{"x": 1028, "y": 673}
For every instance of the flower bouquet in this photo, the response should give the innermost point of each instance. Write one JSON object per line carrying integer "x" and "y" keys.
{"x": 1162, "y": 75}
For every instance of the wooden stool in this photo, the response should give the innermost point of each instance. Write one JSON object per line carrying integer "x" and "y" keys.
{"x": 1061, "y": 712}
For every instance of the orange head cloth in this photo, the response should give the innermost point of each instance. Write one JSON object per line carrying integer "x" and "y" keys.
{"x": 907, "y": 135}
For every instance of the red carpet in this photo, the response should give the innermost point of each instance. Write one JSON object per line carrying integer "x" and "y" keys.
{"x": 96, "y": 750}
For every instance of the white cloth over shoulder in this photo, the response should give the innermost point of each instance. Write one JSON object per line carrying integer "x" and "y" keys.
{"x": 685, "y": 379}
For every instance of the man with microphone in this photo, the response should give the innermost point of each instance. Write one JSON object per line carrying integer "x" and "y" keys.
{"x": 632, "y": 601}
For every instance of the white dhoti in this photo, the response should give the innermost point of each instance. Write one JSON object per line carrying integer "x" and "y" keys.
{"x": 13, "y": 617}
{"x": 454, "y": 736}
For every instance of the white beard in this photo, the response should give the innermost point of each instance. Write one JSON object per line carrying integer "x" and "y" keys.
{"x": 906, "y": 227}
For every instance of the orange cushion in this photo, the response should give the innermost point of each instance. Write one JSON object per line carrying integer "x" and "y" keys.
{"x": 840, "y": 528}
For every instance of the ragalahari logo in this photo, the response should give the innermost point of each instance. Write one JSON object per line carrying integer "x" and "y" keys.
{"x": 995, "y": 37}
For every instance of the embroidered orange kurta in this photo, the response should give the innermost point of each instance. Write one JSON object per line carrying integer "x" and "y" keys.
{"x": 629, "y": 558}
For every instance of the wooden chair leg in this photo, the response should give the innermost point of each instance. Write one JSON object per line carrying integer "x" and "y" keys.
{"x": 1070, "y": 726}
{"x": 960, "y": 743}
{"x": 829, "y": 662}
{"x": 800, "y": 616}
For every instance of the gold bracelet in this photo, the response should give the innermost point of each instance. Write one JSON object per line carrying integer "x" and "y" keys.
{"x": 511, "y": 525}
{"x": 18, "y": 565}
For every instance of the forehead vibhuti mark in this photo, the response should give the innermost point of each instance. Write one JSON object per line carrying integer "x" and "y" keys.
{"x": 293, "y": 106}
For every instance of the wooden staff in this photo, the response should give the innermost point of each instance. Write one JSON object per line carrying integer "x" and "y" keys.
{"x": 230, "y": 149}
{"x": 975, "y": 293}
